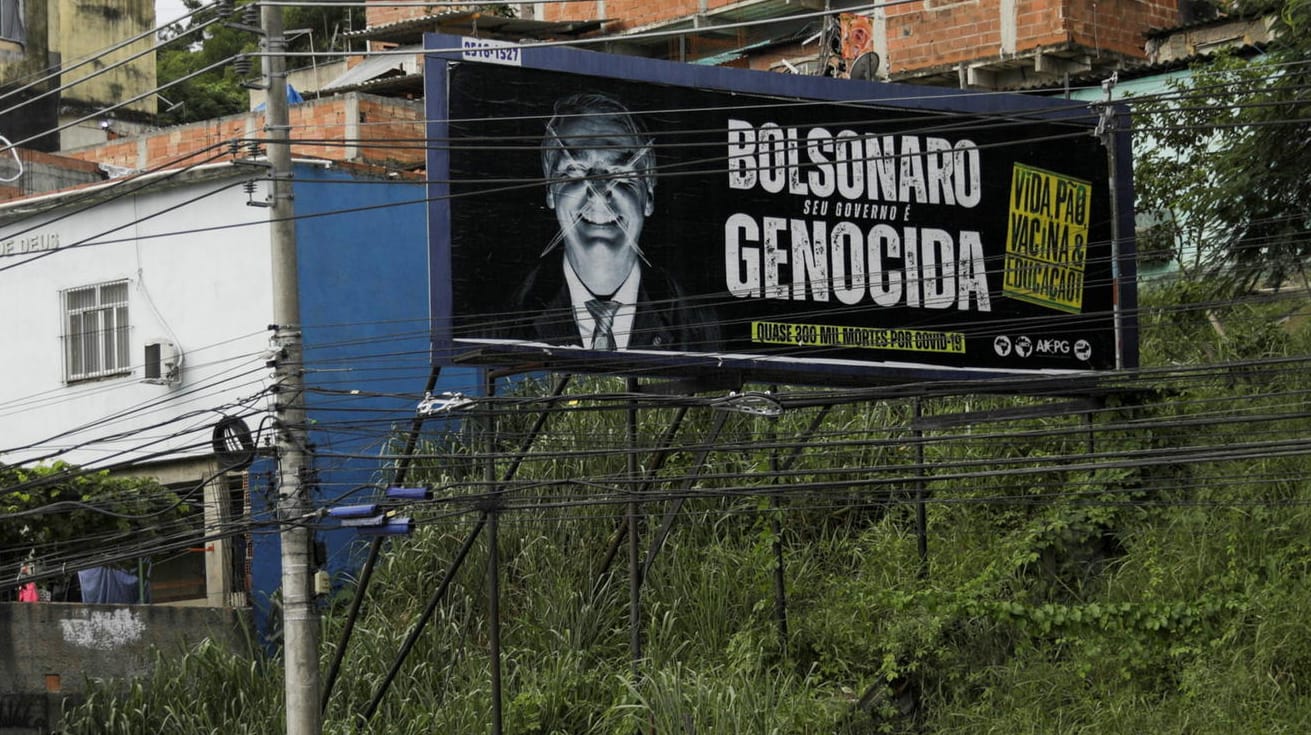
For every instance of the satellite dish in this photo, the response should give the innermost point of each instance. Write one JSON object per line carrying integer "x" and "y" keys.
{"x": 865, "y": 66}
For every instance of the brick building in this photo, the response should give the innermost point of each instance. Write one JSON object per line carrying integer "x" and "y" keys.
{"x": 985, "y": 44}
{"x": 355, "y": 127}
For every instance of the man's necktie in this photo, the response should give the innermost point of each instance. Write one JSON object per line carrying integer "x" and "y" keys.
{"x": 603, "y": 312}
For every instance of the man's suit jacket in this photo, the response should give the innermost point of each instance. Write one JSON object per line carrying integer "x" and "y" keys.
{"x": 664, "y": 320}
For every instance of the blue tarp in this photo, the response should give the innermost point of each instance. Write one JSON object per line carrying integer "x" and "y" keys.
{"x": 105, "y": 585}
{"x": 293, "y": 98}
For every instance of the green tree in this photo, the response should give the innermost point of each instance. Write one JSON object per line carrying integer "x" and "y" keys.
{"x": 1229, "y": 167}
{"x": 53, "y": 511}
{"x": 197, "y": 43}
{"x": 323, "y": 25}
{"x": 204, "y": 39}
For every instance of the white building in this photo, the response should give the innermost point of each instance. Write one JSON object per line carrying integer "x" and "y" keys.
{"x": 138, "y": 320}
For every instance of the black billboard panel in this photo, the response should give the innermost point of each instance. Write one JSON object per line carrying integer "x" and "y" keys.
{"x": 594, "y": 209}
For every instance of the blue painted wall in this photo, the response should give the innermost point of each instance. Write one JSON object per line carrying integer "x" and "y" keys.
{"x": 363, "y": 263}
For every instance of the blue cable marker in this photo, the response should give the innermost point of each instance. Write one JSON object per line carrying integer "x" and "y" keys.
{"x": 409, "y": 493}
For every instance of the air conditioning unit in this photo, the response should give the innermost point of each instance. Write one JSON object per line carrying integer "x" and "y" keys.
{"x": 162, "y": 363}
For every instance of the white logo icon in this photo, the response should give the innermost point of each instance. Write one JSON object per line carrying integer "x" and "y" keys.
{"x": 1083, "y": 350}
{"x": 1002, "y": 345}
{"x": 1023, "y": 346}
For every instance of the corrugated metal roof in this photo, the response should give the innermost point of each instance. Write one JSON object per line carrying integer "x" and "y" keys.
{"x": 389, "y": 85}
{"x": 409, "y": 85}
{"x": 371, "y": 69}
{"x": 1220, "y": 20}
{"x": 734, "y": 54}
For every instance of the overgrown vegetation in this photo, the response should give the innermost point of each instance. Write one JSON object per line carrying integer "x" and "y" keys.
{"x": 1225, "y": 167}
{"x": 1142, "y": 573}
{"x": 1141, "y": 570}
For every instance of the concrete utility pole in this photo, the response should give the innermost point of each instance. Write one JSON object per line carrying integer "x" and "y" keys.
{"x": 300, "y": 623}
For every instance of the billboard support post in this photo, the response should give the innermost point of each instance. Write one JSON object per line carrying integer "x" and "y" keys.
{"x": 492, "y": 506}
{"x": 634, "y": 557}
{"x": 494, "y": 613}
{"x": 437, "y": 596}
{"x": 662, "y": 453}
{"x": 671, "y": 515}
{"x": 776, "y": 527}
{"x": 375, "y": 549}
{"x": 484, "y": 519}
{"x": 921, "y": 515}
{"x": 1092, "y": 432}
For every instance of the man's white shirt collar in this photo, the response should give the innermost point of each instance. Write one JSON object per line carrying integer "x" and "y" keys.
{"x": 626, "y": 296}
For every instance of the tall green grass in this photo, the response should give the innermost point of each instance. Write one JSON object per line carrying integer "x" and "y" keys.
{"x": 1155, "y": 598}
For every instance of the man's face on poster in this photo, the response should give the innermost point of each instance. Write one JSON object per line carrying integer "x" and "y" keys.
{"x": 601, "y": 199}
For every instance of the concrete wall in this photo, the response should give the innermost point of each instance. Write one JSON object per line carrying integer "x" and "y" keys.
{"x": 48, "y": 650}
{"x": 43, "y": 172}
{"x": 82, "y": 29}
{"x": 20, "y": 61}
{"x": 26, "y": 116}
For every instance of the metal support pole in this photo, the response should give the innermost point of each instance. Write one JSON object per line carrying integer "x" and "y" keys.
{"x": 634, "y": 554}
{"x": 657, "y": 463}
{"x": 493, "y": 561}
{"x": 419, "y": 624}
{"x": 921, "y": 516}
{"x": 455, "y": 566}
{"x": 671, "y": 514}
{"x": 300, "y": 623}
{"x": 1092, "y": 432}
{"x": 375, "y": 548}
{"x": 494, "y": 615}
{"x": 780, "y": 577}
{"x": 776, "y": 527}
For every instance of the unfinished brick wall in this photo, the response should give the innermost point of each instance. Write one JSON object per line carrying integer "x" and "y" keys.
{"x": 939, "y": 33}
{"x": 391, "y": 134}
{"x": 169, "y": 148}
{"x": 932, "y": 34}
{"x": 354, "y": 127}
{"x": 1121, "y": 24}
{"x": 629, "y": 13}
{"x": 380, "y": 15}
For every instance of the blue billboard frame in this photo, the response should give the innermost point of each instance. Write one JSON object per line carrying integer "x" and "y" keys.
{"x": 443, "y": 52}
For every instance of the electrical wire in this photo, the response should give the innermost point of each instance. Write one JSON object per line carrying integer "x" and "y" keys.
{"x": 1260, "y": 449}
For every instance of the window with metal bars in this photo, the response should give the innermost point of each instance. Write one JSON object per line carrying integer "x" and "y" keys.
{"x": 96, "y": 331}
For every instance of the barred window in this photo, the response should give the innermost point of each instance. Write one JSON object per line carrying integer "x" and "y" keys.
{"x": 96, "y": 331}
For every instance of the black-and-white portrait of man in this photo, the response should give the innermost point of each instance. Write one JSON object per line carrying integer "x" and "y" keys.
{"x": 595, "y": 286}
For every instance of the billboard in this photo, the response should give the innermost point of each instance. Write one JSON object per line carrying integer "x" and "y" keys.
{"x": 590, "y": 210}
